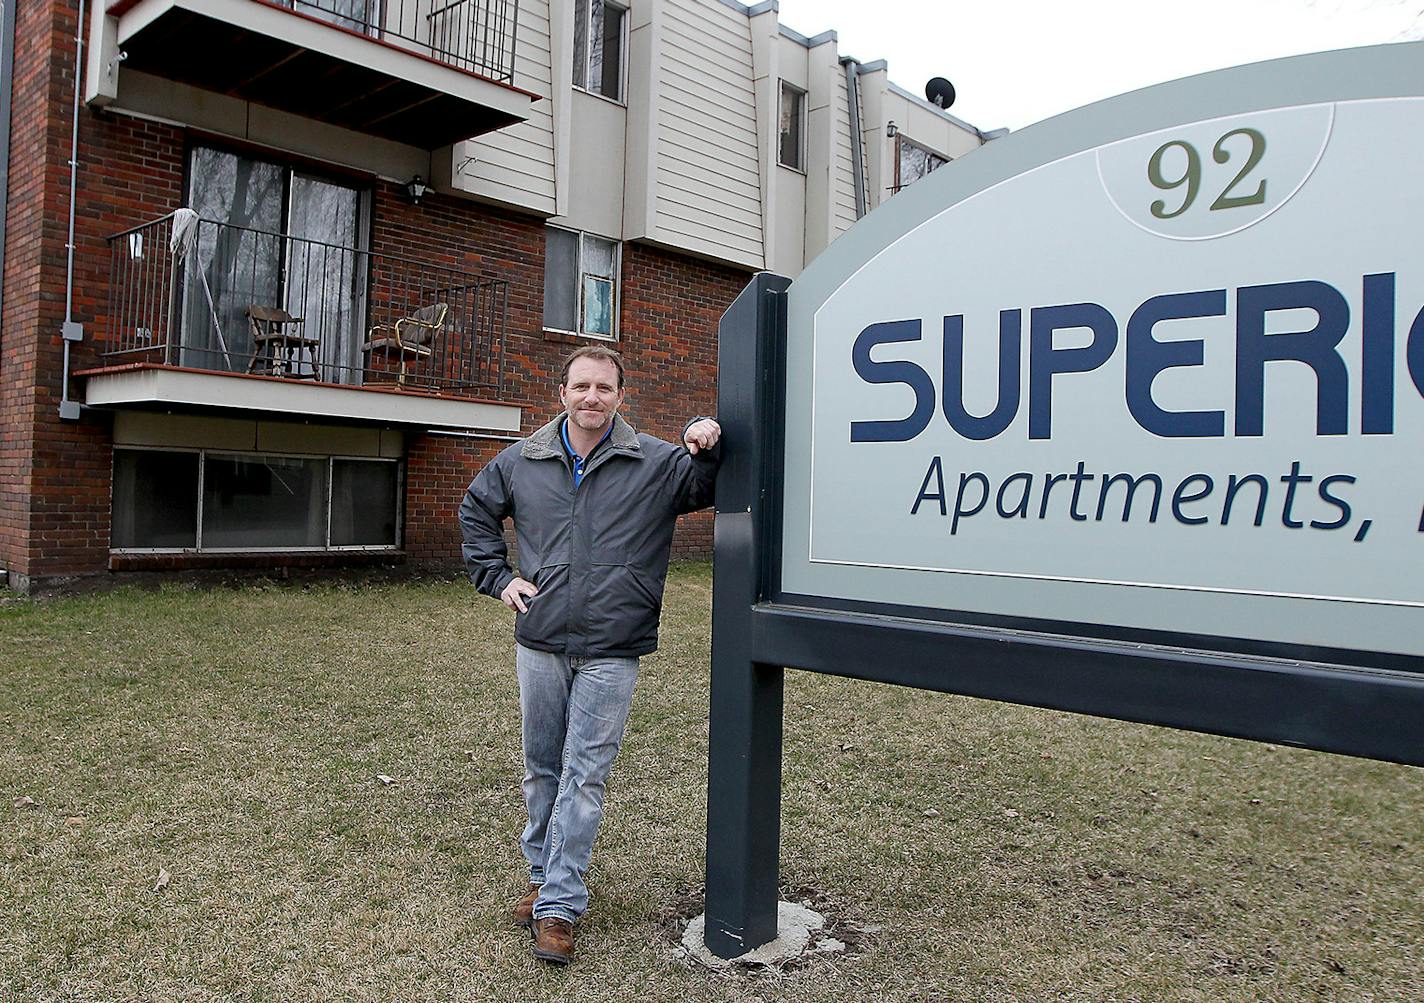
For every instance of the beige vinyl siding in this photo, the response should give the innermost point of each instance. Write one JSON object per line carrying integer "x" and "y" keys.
{"x": 934, "y": 132}
{"x": 708, "y": 188}
{"x": 843, "y": 170}
{"x": 515, "y": 165}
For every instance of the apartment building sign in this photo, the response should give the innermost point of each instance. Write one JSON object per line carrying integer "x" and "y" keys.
{"x": 1118, "y": 415}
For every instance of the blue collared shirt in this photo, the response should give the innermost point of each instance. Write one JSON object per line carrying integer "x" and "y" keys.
{"x": 579, "y": 461}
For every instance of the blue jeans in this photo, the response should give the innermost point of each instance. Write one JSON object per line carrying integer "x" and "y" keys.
{"x": 575, "y": 711}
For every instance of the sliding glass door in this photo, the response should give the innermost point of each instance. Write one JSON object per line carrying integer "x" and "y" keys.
{"x": 275, "y": 239}
{"x": 356, "y": 15}
{"x": 234, "y": 264}
{"x": 325, "y": 273}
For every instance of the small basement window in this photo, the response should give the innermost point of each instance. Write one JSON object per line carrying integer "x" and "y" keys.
{"x": 155, "y": 500}
{"x": 208, "y": 500}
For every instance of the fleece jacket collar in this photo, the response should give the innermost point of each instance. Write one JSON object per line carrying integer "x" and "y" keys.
{"x": 547, "y": 443}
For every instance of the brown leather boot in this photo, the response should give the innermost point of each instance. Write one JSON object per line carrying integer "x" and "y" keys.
{"x": 554, "y": 940}
{"x": 523, "y": 911}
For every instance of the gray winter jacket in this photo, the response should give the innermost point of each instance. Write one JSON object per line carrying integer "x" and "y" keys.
{"x": 598, "y": 553}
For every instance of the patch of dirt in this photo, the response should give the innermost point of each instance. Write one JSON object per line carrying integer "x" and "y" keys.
{"x": 348, "y": 570}
{"x": 686, "y": 905}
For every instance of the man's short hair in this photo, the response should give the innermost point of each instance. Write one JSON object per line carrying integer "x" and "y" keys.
{"x": 593, "y": 352}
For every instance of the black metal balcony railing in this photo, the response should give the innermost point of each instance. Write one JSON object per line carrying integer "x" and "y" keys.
{"x": 234, "y": 299}
{"x": 475, "y": 35}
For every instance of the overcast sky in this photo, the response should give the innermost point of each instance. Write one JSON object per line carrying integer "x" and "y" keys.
{"x": 1014, "y": 62}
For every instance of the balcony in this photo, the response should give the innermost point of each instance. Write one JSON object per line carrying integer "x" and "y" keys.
{"x": 426, "y": 73}
{"x": 206, "y": 315}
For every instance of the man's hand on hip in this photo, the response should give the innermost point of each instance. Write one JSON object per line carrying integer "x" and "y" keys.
{"x": 516, "y": 592}
{"x": 702, "y": 434}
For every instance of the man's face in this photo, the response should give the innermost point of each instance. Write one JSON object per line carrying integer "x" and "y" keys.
{"x": 591, "y": 395}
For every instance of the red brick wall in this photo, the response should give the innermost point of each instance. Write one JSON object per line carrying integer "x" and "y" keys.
{"x": 55, "y": 476}
{"x": 438, "y": 468}
{"x": 670, "y": 307}
{"x": 24, "y": 222}
{"x": 129, "y": 171}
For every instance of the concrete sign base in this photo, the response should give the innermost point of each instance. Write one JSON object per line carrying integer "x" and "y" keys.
{"x": 795, "y": 925}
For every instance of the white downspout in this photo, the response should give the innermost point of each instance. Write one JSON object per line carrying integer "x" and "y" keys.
{"x": 71, "y": 331}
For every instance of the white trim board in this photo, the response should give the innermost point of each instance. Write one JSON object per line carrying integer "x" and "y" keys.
{"x": 320, "y": 400}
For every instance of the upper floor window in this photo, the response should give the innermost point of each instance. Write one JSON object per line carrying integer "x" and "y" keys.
{"x": 913, "y": 162}
{"x": 357, "y": 15}
{"x": 580, "y": 283}
{"x": 598, "y": 47}
{"x": 790, "y": 144}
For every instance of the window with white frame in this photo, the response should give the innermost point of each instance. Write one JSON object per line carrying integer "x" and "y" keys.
{"x": 599, "y": 48}
{"x": 790, "y": 143}
{"x": 913, "y": 161}
{"x": 580, "y": 283}
{"x": 207, "y": 500}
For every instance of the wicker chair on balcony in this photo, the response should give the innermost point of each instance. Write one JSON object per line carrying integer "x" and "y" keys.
{"x": 411, "y": 337}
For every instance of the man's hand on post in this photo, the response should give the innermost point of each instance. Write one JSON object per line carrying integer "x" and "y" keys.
{"x": 702, "y": 434}
{"x": 516, "y": 592}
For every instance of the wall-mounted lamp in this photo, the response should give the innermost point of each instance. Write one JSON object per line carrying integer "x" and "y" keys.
{"x": 891, "y": 129}
{"x": 416, "y": 189}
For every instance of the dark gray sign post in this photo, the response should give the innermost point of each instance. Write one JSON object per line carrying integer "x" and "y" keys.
{"x": 849, "y": 440}
{"x": 744, "y": 768}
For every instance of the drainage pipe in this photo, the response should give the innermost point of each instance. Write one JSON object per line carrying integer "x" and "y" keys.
{"x": 857, "y": 135}
{"x": 71, "y": 331}
{"x": 7, "y": 75}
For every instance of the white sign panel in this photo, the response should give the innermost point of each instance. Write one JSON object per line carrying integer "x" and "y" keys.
{"x": 1174, "y": 382}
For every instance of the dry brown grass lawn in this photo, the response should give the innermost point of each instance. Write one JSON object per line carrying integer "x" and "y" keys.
{"x": 234, "y": 737}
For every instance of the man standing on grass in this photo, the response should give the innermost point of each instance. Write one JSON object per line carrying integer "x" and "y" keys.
{"x": 594, "y": 504}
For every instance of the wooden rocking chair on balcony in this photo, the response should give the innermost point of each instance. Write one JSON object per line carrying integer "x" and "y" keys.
{"x": 280, "y": 346}
{"x": 410, "y": 337}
